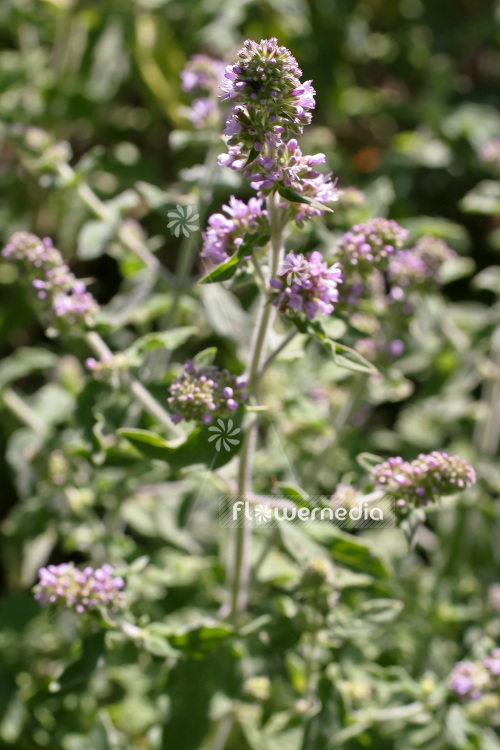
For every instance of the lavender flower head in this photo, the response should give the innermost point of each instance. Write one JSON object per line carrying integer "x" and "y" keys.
{"x": 494, "y": 596}
{"x": 224, "y": 234}
{"x": 416, "y": 483}
{"x": 470, "y": 679}
{"x": 417, "y": 267}
{"x": 202, "y": 73}
{"x": 306, "y": 284}
{"x": 80, "y": 590}
{"x": 271, "y": 106}
{"x": 63, "y": 298}
{"x": 368, "y": 246}
{"x": 202, "y": 393}
{"x": 266, "y": 81}
{"x": 490, "y": 153}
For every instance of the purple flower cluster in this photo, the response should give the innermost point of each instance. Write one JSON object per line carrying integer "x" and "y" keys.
{"x": 416, "y": 483}
{"x": 63, "y": 297}
{"x": 417, "y": 267}
{"x": 490, "y": 153}
{"x": 472, "y": 679}
{"x": 494, "y": 596}
{"x": 270, "y": 107}
{"x": 79, "y": 590}
{"x": 368, "y": 246}
{"x": 306, "y": 284}
{"x": 203, "y": 74}
{"x": 224, "y": 234}
{"x": 202, "y": 393}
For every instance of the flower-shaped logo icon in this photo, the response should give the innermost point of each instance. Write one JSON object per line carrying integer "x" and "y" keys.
{"x": 262, "y": 513}
{"x": 224, "y": 434}
{"x": 183, "y": 219}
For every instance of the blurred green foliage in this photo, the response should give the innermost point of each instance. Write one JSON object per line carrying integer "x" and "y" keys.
{"x": 407, "y": 93}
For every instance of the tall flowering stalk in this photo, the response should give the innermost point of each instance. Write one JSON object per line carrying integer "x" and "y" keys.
{"x": 270, "y": 107}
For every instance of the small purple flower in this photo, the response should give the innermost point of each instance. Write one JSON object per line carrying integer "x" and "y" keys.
{"x": 469, "y": 679}
{"x": 492, "y": 662}
{"x": 225, "y": 232}
{"x": 81, "y": 591}
{"x": 306, "y": 284}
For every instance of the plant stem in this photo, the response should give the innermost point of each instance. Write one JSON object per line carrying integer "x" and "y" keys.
{"x": 239, "y": 560}
{"x": 278, "y": 349}
{"x": 125, "y": 235}
{"x": 141, "y": 394}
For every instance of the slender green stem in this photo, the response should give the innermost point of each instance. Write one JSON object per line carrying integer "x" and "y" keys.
{"x": 278, "y": 350}
{"x": 141, "y": 394}
{"x": 239, "y": 561}
{"x": 125, "y": 235}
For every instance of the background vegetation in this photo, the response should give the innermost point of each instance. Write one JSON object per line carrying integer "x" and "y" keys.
{"x": 407, "y": 94}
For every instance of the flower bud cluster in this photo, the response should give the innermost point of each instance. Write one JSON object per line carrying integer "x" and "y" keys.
{"x": 416, "y": 483}
{"x": 306, "y": 284}
{"x": 225, "y": 233}
{"x": 472, "y": 679}
{"x": 79, "y": 590}
{"x": 63, "y": 297}
{"x": 202, "y": 75}
{"x": 202, "y": 393}
{"x": 368, "y": 246}
{"x": 417, "y": 267}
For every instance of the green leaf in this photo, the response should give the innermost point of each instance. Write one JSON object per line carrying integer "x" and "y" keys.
{"x": 168, "y": 340}
{"x": 94, "y": 238}
{"x": 483, "y": 199}
{"x": 294, "y": 197}
{"x": 342, "y": 355}
{"x": 381, "y": 610}
{"x": 23, "y": 362}
{"x": 206, "y": 357}
{"x": 348, "y": 358}
{"x": 356, "y": 553}
{"x": 201, "y": 637}
{"x": 199, "y": 448}
{"x": 226, "y": 270}
{"x": 368, "y": 460}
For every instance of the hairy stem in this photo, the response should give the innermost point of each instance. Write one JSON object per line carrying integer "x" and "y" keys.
{"x": 125, "y": 235}
{"x": 239, "y": 560}
{"x": 141, "y": 394}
